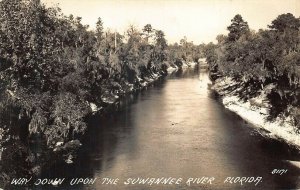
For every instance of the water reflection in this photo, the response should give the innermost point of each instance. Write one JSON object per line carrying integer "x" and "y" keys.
{"x": 177, "y": 129}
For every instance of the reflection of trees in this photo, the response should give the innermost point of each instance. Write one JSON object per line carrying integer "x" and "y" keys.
{"x": 100, "y": 144}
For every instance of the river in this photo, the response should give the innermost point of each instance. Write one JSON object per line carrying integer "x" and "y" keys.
{"x": 177, "y": 128}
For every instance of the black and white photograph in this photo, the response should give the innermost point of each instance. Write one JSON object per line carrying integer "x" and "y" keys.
{"x": 149, "y": 95}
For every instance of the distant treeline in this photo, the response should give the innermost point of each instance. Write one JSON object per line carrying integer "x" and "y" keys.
{"x": 258, "y": 59}
{"x": 53, "y": 68}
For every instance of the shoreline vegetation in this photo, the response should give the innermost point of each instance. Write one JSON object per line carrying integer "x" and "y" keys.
{"x": 55, "y": 72}
{"x": 257, "y": 75}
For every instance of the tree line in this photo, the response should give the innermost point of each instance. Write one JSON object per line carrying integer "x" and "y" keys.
{"x": 268, "y": 57}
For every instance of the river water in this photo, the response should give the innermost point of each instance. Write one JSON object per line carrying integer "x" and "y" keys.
{"x": 177, "y": 128}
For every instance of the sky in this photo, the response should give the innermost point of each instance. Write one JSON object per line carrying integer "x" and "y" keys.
{"x": 199, "y": 20}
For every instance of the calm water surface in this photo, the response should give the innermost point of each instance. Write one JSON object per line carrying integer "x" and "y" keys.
{"x": 178, "y": 129}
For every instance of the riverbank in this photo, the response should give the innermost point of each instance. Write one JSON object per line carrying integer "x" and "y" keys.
{"x": 256, "y": 111}
{"x": 113, "y": 98}
{"x": 127, "y": 88}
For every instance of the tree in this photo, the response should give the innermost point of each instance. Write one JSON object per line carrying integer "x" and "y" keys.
{"x": 160, "y": 46}
{"x": 99, "y": 29}
{"x": 221, "y": 38}
{"x": 160, "y": 39}
{"x": 237, "y": 28}
{"x": 148, "y": 30}
{"x": 285, "y": 21}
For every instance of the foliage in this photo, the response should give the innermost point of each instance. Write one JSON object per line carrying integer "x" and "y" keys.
{"x": 52, "y": 68}
{"x": 257, "y": 59}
